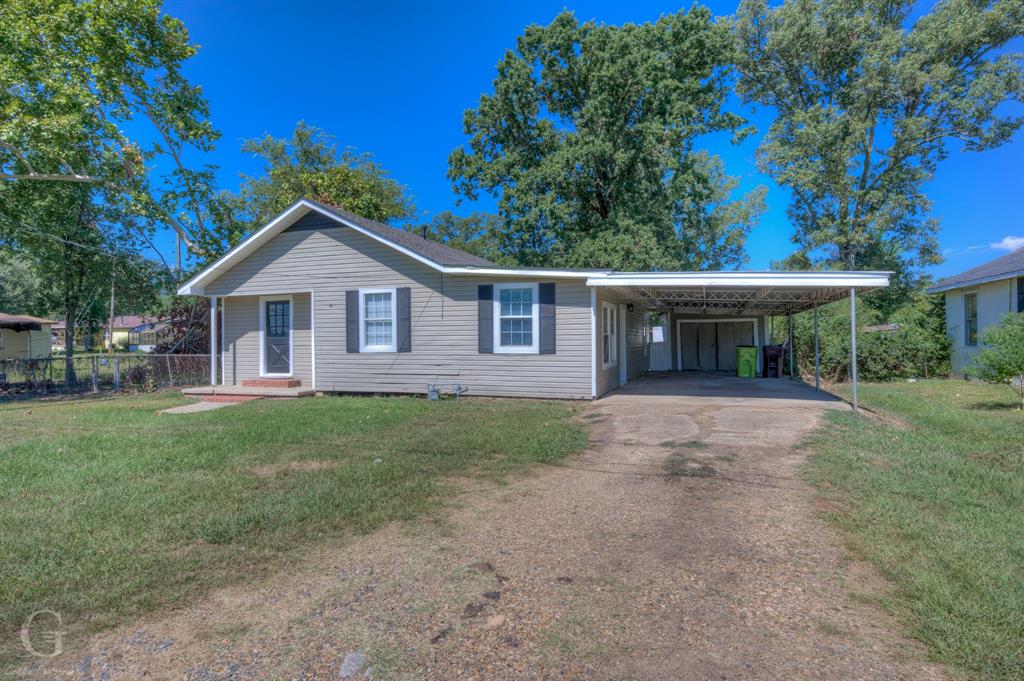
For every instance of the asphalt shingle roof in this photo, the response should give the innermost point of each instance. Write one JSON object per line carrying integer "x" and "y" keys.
{"x": 432, "y": 250}
{"x": 1010, "y": 265}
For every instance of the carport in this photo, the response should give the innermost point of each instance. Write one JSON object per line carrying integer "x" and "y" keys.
{"x": 704, "y": 314}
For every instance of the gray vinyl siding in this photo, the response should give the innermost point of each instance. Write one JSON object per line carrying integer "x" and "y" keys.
{"x": 328, "y": 260}
{"x": 241, "y": 341}
{"x": 607, "y": 379}
{"x": 638, "y": 362}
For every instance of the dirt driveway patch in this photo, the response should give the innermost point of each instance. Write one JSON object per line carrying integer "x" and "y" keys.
{"x": 681, "y": 545}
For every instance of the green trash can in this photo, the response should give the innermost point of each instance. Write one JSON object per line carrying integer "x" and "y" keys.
{"x": 746, "y": 361}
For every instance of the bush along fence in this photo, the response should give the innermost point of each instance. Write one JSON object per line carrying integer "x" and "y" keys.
{"x": 102, "y": 372}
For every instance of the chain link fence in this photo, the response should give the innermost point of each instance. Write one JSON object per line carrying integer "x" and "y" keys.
{"x": 102, "y": 372}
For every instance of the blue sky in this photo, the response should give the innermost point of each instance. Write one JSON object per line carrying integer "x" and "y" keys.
{"x": 393, "y": 79}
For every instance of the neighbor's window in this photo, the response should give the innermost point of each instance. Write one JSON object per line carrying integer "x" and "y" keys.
{"x": 970, "y": 319}
{"x": 609, "y": 335}
{"x": 1020, "y": 295}
{"x": 377, "y": 322}
{"x": 515, "y": 318}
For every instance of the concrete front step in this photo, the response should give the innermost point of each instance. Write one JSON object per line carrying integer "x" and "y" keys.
{"x": 205, "y": 392}
{"x": 231, "y": 399}
{"x": 271, "y": 383}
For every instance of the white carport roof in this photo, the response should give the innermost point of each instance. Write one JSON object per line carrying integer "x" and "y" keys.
{"x": 738, "y": 293}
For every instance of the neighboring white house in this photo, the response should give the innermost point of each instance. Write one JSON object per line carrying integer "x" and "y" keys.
{"x": 978, "y": 298}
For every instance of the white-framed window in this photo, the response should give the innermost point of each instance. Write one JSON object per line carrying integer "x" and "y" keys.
{"x": 378, "y": 323}
{"x": 609, "y": 335}
{"x": 516, "y": 318}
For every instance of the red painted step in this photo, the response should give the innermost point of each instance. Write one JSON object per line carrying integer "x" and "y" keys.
{"x": 271, "y": 383}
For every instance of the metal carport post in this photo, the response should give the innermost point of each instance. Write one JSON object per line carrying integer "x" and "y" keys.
{"x": 853, "y": 344}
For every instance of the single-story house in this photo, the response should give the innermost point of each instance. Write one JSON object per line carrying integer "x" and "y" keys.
{"x": 24, "y": 336}
{"x": 978, "y": 298}
{"x": 127, "y": 331}
{"x": 334, "y": 302}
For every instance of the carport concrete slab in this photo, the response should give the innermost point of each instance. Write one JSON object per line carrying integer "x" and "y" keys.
{"x": 715, "y": 388}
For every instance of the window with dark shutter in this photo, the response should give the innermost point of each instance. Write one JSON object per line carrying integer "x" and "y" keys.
{"x": 485, "y": 318}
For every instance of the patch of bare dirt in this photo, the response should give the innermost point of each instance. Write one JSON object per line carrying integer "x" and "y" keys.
{"x": 606, "y": 567}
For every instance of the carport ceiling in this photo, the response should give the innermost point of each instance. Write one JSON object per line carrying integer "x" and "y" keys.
{"x": 739, "y": 293}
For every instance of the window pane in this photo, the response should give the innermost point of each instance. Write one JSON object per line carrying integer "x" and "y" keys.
{"x": 377, "y": 325}
{"x": 516, "y": 302}
{"x": 277, "y": 319}
{"x": 517, "y": 332}
{"x": 378, "y": 332}
{"x": 1020, "y": 295}
{"x": 377, "y": 305}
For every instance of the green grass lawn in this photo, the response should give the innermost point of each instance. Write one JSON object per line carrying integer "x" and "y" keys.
{"x": 936, "y": 502}
{"x": 108, "y": 510}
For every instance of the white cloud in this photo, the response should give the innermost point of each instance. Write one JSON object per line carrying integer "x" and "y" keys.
{"x": 1009, "y": 243}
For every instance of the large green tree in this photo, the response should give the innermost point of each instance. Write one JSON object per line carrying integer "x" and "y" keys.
{"x": 588, "y": 144}
{"x": 867, "y": 103}
{"x": 309, "y": 165}
{"x": 75, "y": 75}
{"x": 19, "y": 284}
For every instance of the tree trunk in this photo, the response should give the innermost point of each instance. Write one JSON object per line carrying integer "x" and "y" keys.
{"x": 70, "y": 380}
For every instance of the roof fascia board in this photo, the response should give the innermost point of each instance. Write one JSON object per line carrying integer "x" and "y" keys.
{"x": 942, "y": 288}
{"x": 733, "y": 279}
{"x": 512, "y": 272}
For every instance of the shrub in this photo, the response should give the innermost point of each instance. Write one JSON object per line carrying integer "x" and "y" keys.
{"x": 1001, "y": 359}
{"x": 918, "y": 347}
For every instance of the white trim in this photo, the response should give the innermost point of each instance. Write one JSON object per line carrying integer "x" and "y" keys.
{"x": 593, "y": 343}
{"x": 971, "y": 283}
{"x": 623, "y": 346}
{"x": 312, "y": 338}
{"x": 291, "y": 215}
{"x": 613, "y": 346}
{"x": 713, "y": 279}
{"x": 391, "y": 347}
{"x": 291, "y": 335}
{"x": 534, "y": 347}
{"x": 715, "y": 320}
{"x": 512, "y": 272}
{"x": 213, "y": 340}
{"x": 223, "y": 315}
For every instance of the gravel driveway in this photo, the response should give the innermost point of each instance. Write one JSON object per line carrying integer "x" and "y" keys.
{"x": 681, "y": 545}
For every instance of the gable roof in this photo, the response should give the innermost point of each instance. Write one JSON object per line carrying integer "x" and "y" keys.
{"x": 438, "y": 252}
{"x": 1005, "y": 267}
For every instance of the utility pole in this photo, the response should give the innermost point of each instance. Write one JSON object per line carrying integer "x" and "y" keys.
{"x": 178, "y": 249}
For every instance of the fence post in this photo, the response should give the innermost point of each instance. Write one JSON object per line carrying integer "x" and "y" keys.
{"x": 170, "y": 375}
{"x": 117, "y": 374}
{"x": 95, "y": 375}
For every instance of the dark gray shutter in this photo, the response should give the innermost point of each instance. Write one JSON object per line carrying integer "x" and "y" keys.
{"x": 546, "y": 344}
{"x": 485, "y": 317}
{"x": 352, "y": 321}
{"x": 403, "y": 304}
